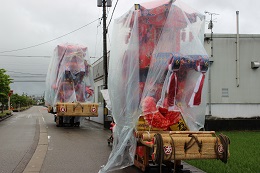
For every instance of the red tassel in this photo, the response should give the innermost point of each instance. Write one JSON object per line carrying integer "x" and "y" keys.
{"x": 172, "y": 89}
{"x": 197, "y": 98}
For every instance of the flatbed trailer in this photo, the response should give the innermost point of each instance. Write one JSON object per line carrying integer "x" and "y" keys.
{"x": 74, "y": 110}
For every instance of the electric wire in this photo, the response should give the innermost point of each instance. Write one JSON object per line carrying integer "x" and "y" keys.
{"x": 99, "y": 24}
{"x": 51, "y": 39}
{"x": 26, "y": 76}
{"x": 28, "y": 81}
{"x": 109, "y": 39}
{"x": 26, "y": 73}
{"x": 112, "y": 14}
{"x": 29, "y": 56}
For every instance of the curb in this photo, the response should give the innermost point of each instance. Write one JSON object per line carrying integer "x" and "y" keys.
{"x": 5, "y": 117}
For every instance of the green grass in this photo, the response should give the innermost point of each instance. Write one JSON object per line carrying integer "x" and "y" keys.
{"x": 244, "y": 155}
{"x": 4, "y": 113}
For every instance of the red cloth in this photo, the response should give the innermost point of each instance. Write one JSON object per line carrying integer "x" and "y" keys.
{"x": 173, "y": 117}
{"x": 147, "y": 38}
{"x": 148, "y": 105}
{"x": 140, "y": 151}
{"x": 157, "y": 120}
{"x": 141, "y": 87}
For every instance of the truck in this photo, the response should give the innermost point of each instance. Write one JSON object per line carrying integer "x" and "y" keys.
{"x": 69, "y": 91}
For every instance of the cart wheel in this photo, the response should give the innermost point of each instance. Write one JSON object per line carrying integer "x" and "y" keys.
{"x": 59, "y": 121}
{"x": 147, "y": 169}
{"x": 77, "y": 124}
{"x": 72, "y": 124}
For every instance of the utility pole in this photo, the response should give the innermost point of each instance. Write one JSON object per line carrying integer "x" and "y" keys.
{"x": 104, "y": 4}
{"x": 210, "y": 26}
{"x": 105, "y": 44}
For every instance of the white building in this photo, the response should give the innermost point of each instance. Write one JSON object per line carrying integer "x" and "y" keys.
{"x": 235, "y": 76}
{"x": 98, "y": 73}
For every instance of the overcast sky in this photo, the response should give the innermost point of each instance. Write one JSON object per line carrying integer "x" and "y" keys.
{"x": 26, "y": 23}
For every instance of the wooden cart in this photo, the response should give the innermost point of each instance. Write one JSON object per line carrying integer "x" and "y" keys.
{"x": 168, "y": 148}
{"x": 74, "y": 110}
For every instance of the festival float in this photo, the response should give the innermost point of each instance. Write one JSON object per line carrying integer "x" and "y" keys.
{"x": 157, "y": 86}
{"x": 70, "y": 86}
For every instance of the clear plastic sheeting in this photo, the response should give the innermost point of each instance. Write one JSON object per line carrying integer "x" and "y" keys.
{"x": 157, "y": 70}
{"x": 69, "y": 77}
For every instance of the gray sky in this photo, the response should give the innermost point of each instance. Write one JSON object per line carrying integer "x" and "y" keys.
{"x": 26, "y": 23}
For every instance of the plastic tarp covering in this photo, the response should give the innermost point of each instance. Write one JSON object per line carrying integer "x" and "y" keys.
{"x": 157, "y": 69}
{"x": 69, "y": 77}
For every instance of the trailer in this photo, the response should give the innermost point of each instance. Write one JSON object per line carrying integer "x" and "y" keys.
{"x": 69, "y": 85}
{"x": 157, "y": 86}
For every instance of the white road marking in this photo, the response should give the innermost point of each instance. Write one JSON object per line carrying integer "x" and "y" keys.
{"x": 49, "y": 143}
{"x": 43, "y": 120}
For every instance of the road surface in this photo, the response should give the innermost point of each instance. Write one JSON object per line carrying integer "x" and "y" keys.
{"x": 31, "y": 142}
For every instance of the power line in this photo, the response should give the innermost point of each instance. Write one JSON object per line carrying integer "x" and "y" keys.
{"x": 29, "y": 56}
{"x": 27, "y": 73}
{"x": 29, "y": 81}
{"x": 112, "y": 14}
{"x": 51, "y": 39}
{"x": 99, "y": 24}
{"x": 109, "y": 39}
{"x": 26, "y": 76}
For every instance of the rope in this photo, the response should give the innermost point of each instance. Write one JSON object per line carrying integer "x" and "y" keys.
{"x": 225, "y": 143}
{"x": 192, "y": 141}
{"x": 173, "y": 147}
{"x": 159, "y": 150}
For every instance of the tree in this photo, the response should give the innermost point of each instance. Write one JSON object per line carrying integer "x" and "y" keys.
{"x": 5, "y": 82}
{"x": 19, "y": 101}
{"x": 15, "y": 100}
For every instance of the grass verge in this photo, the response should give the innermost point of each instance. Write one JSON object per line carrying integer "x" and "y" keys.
{"x": 6, "y": 112}
{"x": 244, "y": 155}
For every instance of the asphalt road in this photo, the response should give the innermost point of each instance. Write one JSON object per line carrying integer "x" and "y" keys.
{"x": 17, "y": 140}
{"x": 69, "y": 149}
{"x": 31, "y": 142}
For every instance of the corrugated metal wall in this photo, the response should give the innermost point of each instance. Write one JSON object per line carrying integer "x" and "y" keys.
{"x": 223, "y": 69}
{"x": 228, "y": 100}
